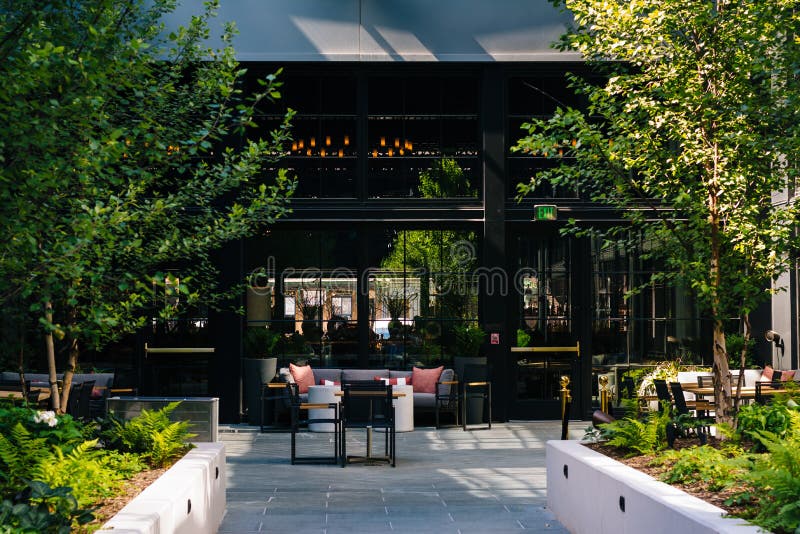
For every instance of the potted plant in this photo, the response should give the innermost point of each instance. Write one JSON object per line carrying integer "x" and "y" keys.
{"x": 469, "y": 339}
{"x": 260, "y": 367}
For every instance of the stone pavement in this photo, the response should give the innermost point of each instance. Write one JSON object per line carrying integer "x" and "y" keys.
{"x": 446, "y": 481}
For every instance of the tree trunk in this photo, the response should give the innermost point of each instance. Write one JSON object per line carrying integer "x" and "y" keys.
{"x": 72, "y": 361}
{"x": 51, "y": 361}
{"x": 21, "y": 361}
{"x": 722, "y": 378}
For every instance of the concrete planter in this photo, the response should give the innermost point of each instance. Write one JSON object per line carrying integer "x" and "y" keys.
{"x": 189, "y": 498}
{"x": 202, "y": 413}
{"x": 592, "y": 493}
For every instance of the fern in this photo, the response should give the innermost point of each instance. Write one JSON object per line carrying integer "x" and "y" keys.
{"x": 20, "y": 454}
{"x": 778, "y": 472}
{"x": 637, "y": 436}
{"x": 152, "y": 435}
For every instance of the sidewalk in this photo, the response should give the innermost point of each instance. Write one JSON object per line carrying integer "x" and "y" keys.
{"x": 446, "y": 481}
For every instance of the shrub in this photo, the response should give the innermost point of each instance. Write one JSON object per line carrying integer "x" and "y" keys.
{"x": 778, "y": 473}
{"x": 151, "y": 434}
{"x": 716, "y": 467}
{"x": 753, "y": 419}
{"x": 639, "y": 437}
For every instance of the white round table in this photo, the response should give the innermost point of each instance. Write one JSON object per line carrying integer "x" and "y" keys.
{"x": 404, "y": 409}
{"x": 324, "y": 395}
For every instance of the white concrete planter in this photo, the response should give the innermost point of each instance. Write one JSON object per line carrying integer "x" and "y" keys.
{"x": 189, "y": 498}
{"x": 592, "y": 493}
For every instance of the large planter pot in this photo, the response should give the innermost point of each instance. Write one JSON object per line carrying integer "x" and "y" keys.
{"x": 188, "y": 499}
{"x": 624, "y": 499}
{"x": 474, "y": 406}
{"x": 257, "y": 372}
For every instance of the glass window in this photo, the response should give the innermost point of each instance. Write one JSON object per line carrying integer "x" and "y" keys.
{"x": 414, "y": 125}
{"x": 537, "y": 97}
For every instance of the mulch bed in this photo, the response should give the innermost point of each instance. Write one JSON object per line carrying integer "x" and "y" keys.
{"x": 699, "y": 489}
{"x": 131, "y": 488}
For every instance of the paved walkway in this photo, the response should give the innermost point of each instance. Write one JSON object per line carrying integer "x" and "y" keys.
{"x": 446, "y": 481}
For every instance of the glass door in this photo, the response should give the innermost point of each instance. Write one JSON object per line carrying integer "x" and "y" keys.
{"x": 546, "y": 333}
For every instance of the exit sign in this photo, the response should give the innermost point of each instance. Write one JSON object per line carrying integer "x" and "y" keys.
{"x": 545, "y": 212}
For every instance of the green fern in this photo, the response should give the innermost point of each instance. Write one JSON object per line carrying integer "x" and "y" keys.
{"x": 152, "y": 435}
{"x": 20, "y": 454}
{"x": 778, "y": 472}
{"x": 639, "y": 437}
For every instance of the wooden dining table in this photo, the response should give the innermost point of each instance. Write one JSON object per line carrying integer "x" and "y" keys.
{"x": 16, "y": 394}
{"x": 747, "y": 392}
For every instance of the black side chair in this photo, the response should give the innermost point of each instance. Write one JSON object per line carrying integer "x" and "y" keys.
{"x": 766, "y": 390}
{"x": 475, "y": 386}
{"x": 662, "y": 392}
{"x": 447, "y": 400}
{"x": 684, "y": 407}
{"x": 297, "y": 408}
{"x": 84, "y": 400}
{"x": 368, "y": 404}
{"x": 705, "y": 381}
{"x": 74, "y": 399}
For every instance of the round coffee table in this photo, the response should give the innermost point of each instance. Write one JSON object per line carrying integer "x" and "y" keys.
{"x": 404, "y": 409}
{"x": 323, "y": 395}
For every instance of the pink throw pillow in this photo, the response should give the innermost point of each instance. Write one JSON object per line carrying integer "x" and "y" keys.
{"x": 787, "y": 375}
{"x": 424, "y": 380}
{"x": 303, "y": 375}
{"x": 766, "y": 374}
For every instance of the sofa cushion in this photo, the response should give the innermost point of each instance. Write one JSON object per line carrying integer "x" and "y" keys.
{"x": 334, "y": 375}
{"x": 349, "y": 375}
{"x": 324, "y": 382}
{"x": 787, "y": 375}
{"x": 424, "y": 380}
{"x": 303, "y": 376}
{"x": 398, "y": 381}
{"x": 399, "y": 374}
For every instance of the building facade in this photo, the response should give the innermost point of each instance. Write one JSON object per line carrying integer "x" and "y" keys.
{"x": 407, "y": 228}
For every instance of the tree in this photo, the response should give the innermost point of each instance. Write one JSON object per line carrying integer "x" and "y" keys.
{"x": 692, "y": 131}
{"x": 125, "y": 152}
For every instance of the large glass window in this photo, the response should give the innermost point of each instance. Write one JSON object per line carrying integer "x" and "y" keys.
{"x": 423, "y": 290}
{"x": 638, "y": 322}
{"x": 417, "y": 288}
{"x": 414, "y": 124}
{"x": 323, "y": 153}
{"x": 535, "y": 97}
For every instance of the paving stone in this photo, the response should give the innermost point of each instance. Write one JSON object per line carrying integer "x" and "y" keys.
{"x": 446, "y": 481}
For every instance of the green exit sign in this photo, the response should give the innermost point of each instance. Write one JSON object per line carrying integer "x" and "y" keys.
{"x": 545, "y": 212}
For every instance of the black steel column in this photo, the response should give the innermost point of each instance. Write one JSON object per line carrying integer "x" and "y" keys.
{"x": 494, "y": 290}
{"x": 225, "y": 333}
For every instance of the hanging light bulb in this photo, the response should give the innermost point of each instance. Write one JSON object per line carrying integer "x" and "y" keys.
{"x": 391, "y": 152}
{"x": 341, "y": 153}
{"x": 374, "y": 153}
{"x": 397, "y": 142}
{"x": 322, "y": 152}
{"x": 294, "y": 146}
{"x": 313, "y": 142}
{"x": 327, "y": 140}
{"x": 346, "y": 140}
{"x": 300, "y": 144}
{"x": 308, "y": 152}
